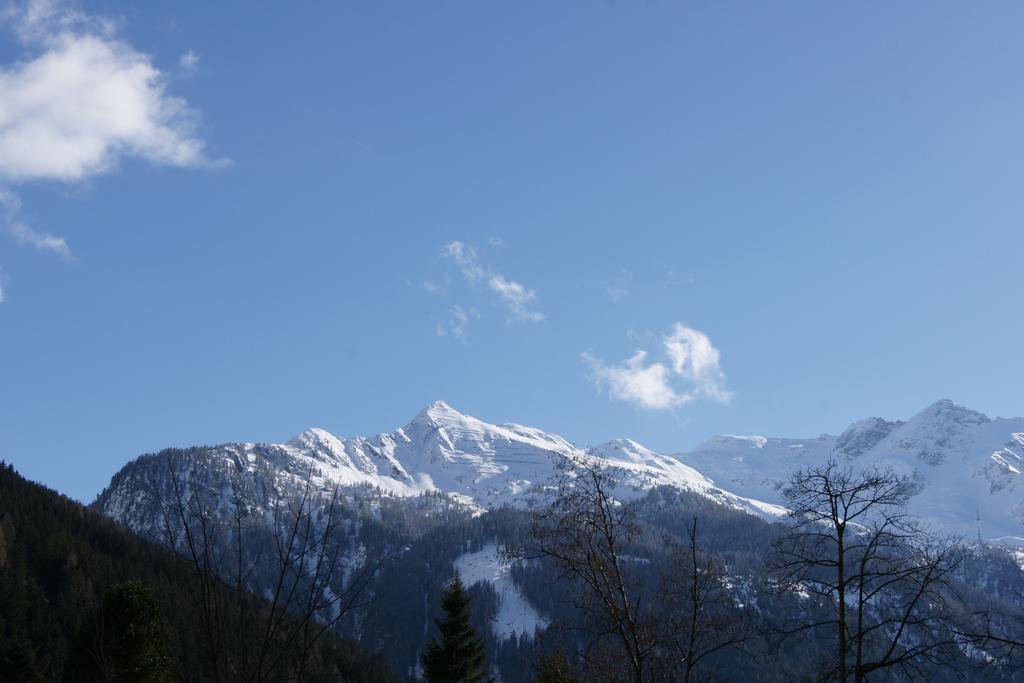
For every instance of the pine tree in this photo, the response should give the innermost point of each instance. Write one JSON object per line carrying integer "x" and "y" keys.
{"x": 555, "y": 668}
{"x": 460, "y": 657}
{"x": 130, "y": 640}
{"x": 138, "y": 637}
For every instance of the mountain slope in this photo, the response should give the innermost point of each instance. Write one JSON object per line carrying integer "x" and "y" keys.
{"x": 478, "y": 463}
{"x": 412, "y": 498}
{"x": 57, "y": 558}
{"x": 969, "y": 465}
{"x": 407, "y": 500}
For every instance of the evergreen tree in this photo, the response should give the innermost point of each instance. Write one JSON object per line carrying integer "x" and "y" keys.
{"x": 460, "y": 657}
{"x": 130, "y": 640}
{"x": 556, "y": 668}
{"x": 138, "y": 638}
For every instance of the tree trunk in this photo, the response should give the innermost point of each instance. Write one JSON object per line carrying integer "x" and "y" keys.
{"x": 841, "y": 591}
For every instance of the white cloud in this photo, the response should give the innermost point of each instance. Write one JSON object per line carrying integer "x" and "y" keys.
{"x": 87, "y": 101}
{"x": 464, "y": 256}
{"x": 23, "y": 234}
{"x": 692, "y": 371}
{"x": 40, "y": 240}
{"x": 458, "y": 321}
{"x": 432, "y": 287}
{"x": 647, "y": 385}
{"x": 697, "y": 361}
{"x": 34, "y": 21}
{"x": 78, "y": 101}
{"x": 516, "y": 298}
{"x": 189, "y": 63}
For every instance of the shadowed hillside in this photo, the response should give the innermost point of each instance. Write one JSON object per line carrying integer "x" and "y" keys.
{"x": 57, "y": 561}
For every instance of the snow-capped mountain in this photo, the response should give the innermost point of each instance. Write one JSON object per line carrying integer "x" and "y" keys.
{"x": 441, "y": 449}
{"x": 390, "y": 521}
{"x": 970, "y": 466}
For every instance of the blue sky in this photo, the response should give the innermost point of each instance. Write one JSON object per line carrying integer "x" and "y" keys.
{"x": 233, "y": 221}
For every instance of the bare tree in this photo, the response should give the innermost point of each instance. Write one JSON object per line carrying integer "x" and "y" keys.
{"x": 640, "y": 628}
{"x": 996, "y": 626}
{"x": 699, "y": 608}
{"x": 880, "y": 583}
{"x": 296, "y": 565}
{"x": 585, "y": 532}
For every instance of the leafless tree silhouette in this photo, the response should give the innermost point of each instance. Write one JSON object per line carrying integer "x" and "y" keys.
{"x": 880, "y": 583}
{"x": 698, "y": 608}
{"x": 300, "y": 561}
{"x": 638, "y": 631}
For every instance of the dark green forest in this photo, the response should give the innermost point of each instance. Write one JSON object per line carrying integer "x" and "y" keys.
{"x": 61, "y": 564}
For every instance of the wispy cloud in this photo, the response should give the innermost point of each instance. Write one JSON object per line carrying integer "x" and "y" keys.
{"x": 518, "y": 300}
{"x": 691, "y": 370}
{"x": 189, "y": 64}
{"x": 619, "y": 286}
{"x": 457, "y": 322}
{"x": 673, "y": 278}
{"x": 432, "y": 287}
{"x": 465, "y": 257}
{"x": 23, "y": 234}
{"x": 77, "y": 101}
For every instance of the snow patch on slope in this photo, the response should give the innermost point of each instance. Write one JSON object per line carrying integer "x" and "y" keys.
{"x": 515, "y": 613}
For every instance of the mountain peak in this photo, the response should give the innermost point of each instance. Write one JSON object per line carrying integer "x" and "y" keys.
{"x": 316, "y": 438}
{"x": 624, "y": 449}
{"x": 311, "y": 435}
{"x": 439, "y": 412}
{"x": 863, "y": 435}
{"x": 946, "y": 410}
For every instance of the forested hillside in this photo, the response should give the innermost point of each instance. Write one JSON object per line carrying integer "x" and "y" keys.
{"x": 58, "y": 561}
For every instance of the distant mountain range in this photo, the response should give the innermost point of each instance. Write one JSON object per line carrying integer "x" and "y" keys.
{"x": 969, "y": 466}
{"x": 478, "y": 464}
{"x": 446, "y": 492}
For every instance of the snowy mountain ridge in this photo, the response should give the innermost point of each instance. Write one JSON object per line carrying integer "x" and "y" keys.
{"x": 481, "y": 464}
{"x": 970, "y": 465}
